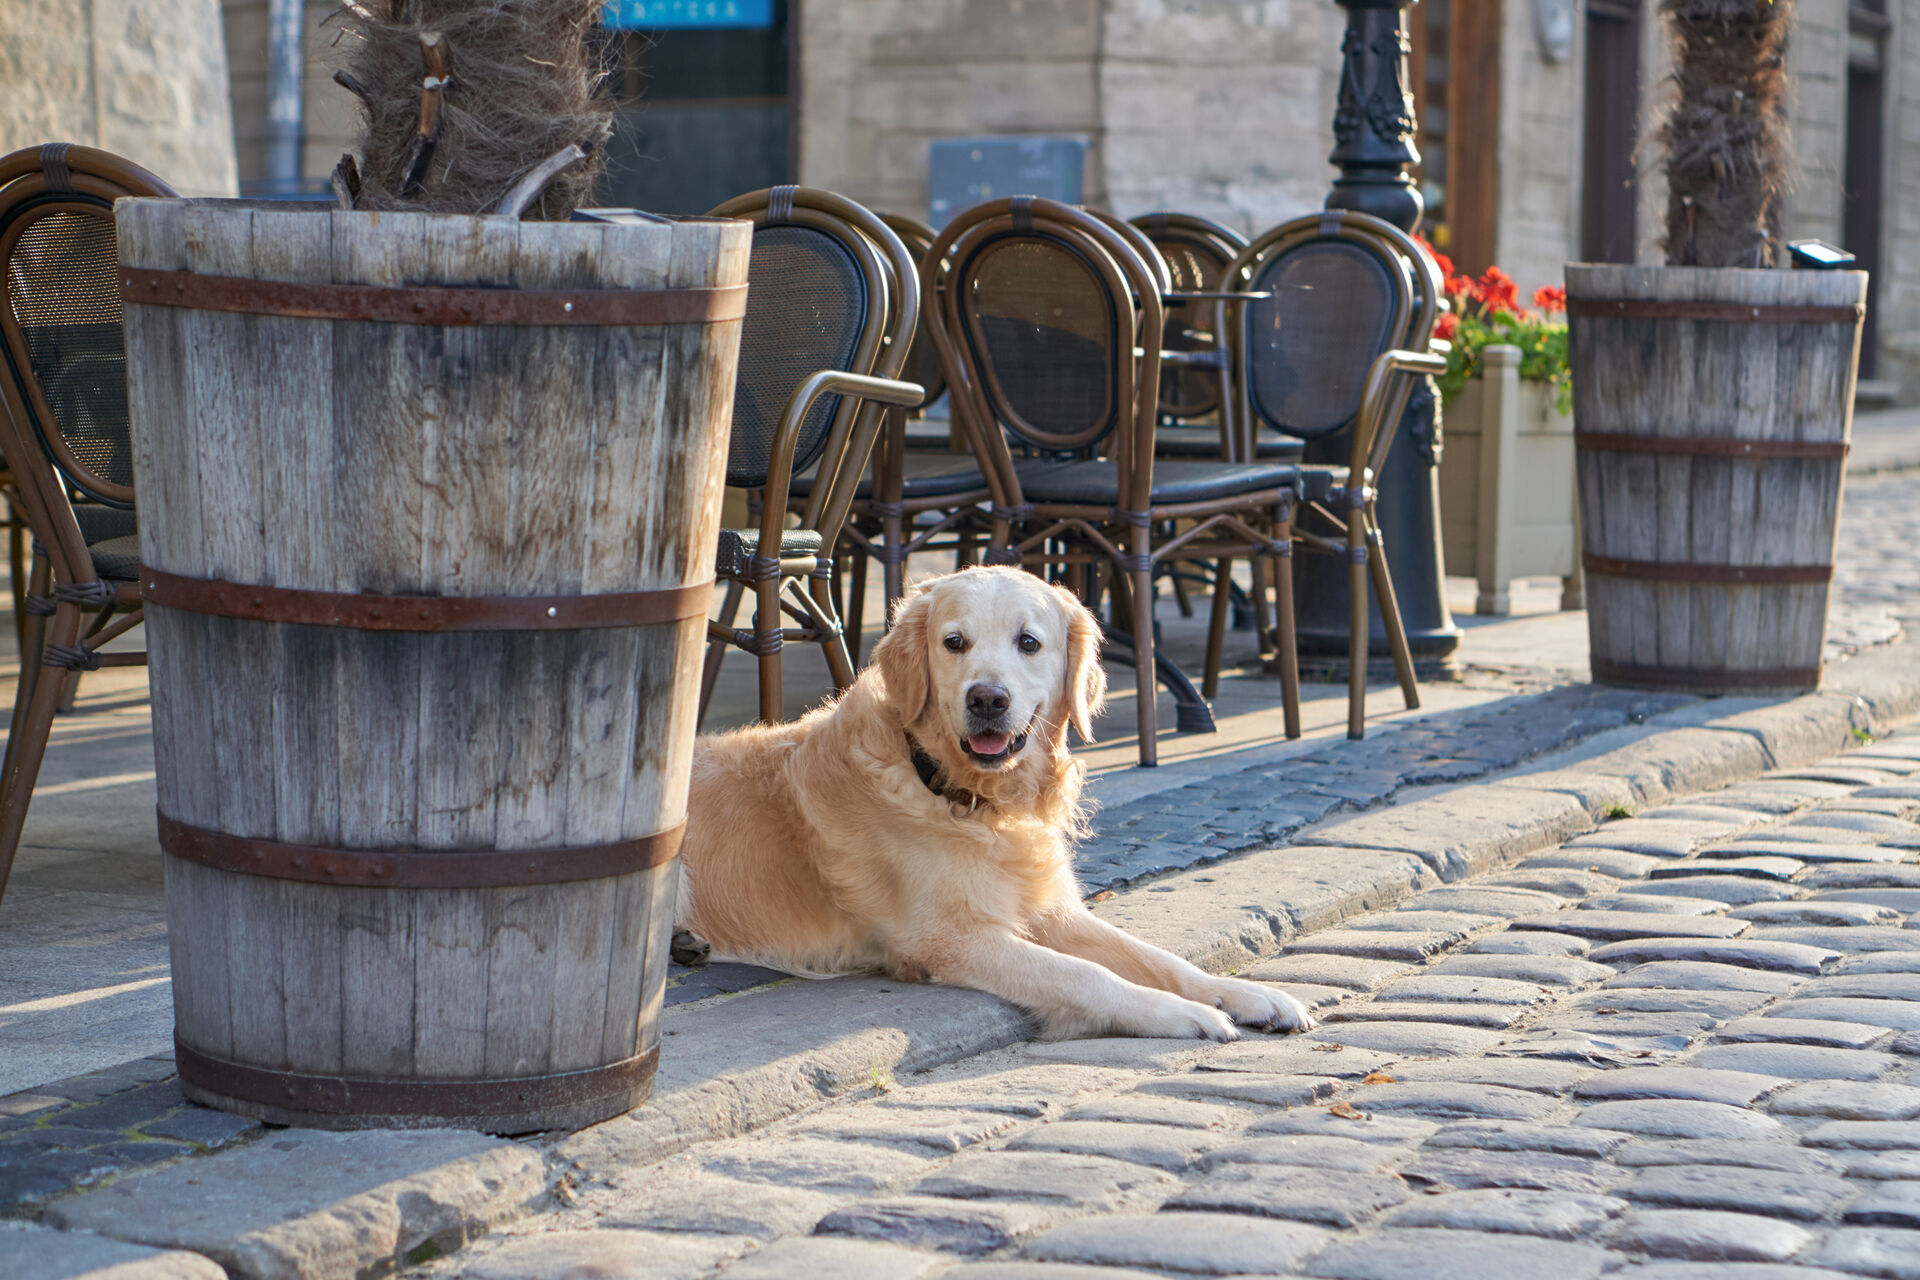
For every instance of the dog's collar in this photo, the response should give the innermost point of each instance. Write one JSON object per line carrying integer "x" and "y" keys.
{"x": 931, "y": 774}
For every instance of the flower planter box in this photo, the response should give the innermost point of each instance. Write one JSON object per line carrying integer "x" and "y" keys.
{"x": 1507, "y": 486}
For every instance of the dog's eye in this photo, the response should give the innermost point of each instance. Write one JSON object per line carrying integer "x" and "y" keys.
{"x": 1029, "y": 643}
{"x": 956, "y": 643}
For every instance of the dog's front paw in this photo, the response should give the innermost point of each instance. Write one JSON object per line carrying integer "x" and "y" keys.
{"x": 1262, "y": 1005}
{"x": 1170, "y": 1017}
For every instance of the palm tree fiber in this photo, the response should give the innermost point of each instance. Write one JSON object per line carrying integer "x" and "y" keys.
{"x": 1727, "y": 140}
{"x": 523, "y": 83}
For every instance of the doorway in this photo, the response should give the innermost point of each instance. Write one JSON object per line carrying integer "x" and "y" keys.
{"x": 1610, "y": 188}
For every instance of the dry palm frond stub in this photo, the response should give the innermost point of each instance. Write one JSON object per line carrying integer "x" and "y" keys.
{"x": 1727, "y": 139}
{"x": 470, "y": 101}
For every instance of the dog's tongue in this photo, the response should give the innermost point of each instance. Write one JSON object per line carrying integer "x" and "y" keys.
{"x": 987, "y": 744}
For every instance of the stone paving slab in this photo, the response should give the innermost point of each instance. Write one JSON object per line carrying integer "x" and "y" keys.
{"x": 800, "y": 1045}
{"x": 1438, "y": 1150}
{"x": 41, "y": 1253}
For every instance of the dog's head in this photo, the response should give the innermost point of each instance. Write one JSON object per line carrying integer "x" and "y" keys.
{"x": 986, "y": 665}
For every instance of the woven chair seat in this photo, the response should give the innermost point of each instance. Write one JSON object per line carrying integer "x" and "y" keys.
{"x": 117, "y": 559}
{"x": 1096, "y": 482}
{"x": 99, "y": 523}
{"x": 923, "y": 475}
{"x": 1204, "y": 443}
{"x": 111, "y": 540}
{"x": 739, "y": 546}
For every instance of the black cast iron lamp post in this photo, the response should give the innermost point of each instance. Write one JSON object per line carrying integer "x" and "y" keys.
{"x": 1374, "y": 129}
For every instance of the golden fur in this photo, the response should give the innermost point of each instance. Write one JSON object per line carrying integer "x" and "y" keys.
{"x": 815, "y": 847}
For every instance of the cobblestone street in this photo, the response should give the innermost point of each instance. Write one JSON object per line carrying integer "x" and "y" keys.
{"x": 1686, "y": 1045}
{"x": 1875, "y": 578}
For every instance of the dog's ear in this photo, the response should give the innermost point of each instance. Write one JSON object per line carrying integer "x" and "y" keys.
{"x": 901, "y": 656}
{"x": 1086, "y": 691}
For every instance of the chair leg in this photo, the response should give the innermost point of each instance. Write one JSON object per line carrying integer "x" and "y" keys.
{"x": 717, "y": 649}
{"x": 857, "y": 606}
{"x": 1390, "y": 614}
{"x": 1286, "y": 644}
{"x": 1181, "y": 599}
{"x": 17, "y": 561}
{"x": 1356, "y": 624}
{"x": 893, "y": 569}
{"x": 834, "y": 642}
{"x": 1146, "y": 685}
{"x": 27, "y": 741}
{"x": 766, "y": 630}
{"x": 1222, "y": 614}
{"x": 34, "y": 634}
{"x": 1262, "y": 618}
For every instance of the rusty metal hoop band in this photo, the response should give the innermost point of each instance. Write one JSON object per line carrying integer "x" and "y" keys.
{"x": 1704, "y": 678}
{"x": 1708, "y": 447}
{"x": 416, "y": 868}
{"x": 1687, "y": 571}
{"x": 1738, "y": 312}
{"x": 365, "y": 612}
{"x": 451, "y": 1099}
{"x": 426, "y": 305}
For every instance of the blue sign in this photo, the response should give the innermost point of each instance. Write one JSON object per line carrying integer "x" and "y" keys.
{"x": 663, "y": 15}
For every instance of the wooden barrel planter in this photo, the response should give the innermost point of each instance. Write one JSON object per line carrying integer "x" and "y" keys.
{"x": 427, "y": 514}
{"x": 1711, "y": 410}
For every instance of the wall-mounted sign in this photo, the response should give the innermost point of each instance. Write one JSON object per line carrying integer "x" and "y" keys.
{"x": 963, "y": 172}
{"x": 663, "y": 15}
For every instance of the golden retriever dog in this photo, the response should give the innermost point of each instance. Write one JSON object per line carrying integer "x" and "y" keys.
{"x": 922, "y": 826}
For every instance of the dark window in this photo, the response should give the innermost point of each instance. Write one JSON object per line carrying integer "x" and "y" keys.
{"x": 1861, "y": 183}
{"x": 704, "y": 115}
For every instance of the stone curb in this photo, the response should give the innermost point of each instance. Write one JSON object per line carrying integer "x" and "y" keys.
{"x": 789, "y": 1048}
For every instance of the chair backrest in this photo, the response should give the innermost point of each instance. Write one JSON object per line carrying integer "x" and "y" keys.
{"x": 1141, "y": 244}
{"x": 61, "y": 337}
{"x": 1049, "y": 324}
{"x": 1197, "y": 252}
{"x": 830, "y": 287}
{"x": 923, "y": 363}
{"x": 1342, "y": 290}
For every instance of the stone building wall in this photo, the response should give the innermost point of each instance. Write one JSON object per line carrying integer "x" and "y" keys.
{"x": 880, "y": 79}
{"x": 145, "y": 79}
{"x": 1221, "y": 108}
{"x": 1217, "y": 107}
{"x": 1537, "y": 230}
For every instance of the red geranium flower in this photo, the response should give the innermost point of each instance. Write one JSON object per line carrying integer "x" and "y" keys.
{"x": 1446, "y": 326}
{"x": 1445, "y": 263}
{"x": 1550, "y": 298}
{"x": 1496, "y": 291}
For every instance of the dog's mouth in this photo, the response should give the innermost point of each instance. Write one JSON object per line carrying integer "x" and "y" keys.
{"x": 994, "y": 748}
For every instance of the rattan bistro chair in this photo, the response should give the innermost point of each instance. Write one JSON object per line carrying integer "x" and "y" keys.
{"x": 1344, "y": 326}
{"x": 1050, "y": 330}
{"x": 825, "y": 335}
{"x": 917, "y": 498}
{"x": 64, "y": 430}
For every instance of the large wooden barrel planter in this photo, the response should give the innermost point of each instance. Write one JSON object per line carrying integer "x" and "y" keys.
{"x": 427, "y": 511}
{"x": 1711, "y": 412}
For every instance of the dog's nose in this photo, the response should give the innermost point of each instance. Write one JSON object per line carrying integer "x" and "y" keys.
{"x": 987, "y": 700}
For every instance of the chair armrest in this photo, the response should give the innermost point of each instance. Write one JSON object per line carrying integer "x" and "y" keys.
{"x": 773, "y": 511}
{"x": 1378, "y": 396}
